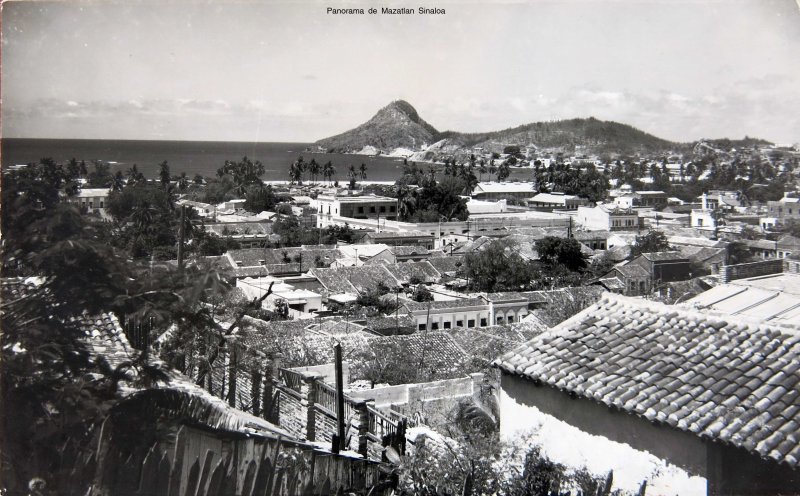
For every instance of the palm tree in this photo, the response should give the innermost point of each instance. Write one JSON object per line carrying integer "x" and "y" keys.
{"x": 363, "y": 171}
{"x": 183, "y": 181}
{"x": 406, "y": 203}
{"x": 481, "y": 169}
{"x": 134, "y": 176}
{"x": 328, "y": 171}
{"x": 492, "y": 168}
{"x": 314, "y": 168}
{"x": 118, "y": 182}
{"x": 351, "y": 176}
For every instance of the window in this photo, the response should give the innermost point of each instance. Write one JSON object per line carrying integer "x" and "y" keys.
{"x": 392, "y": 209}
{"x": 383, "y": 208}
{"x": 420, "y": 327}
{"x": 699, "y": 222}
{"x": 483, "y": 322}
{"x": 361, "y": 210}
{"x": 460, "y": 323}
{"x": 510, "y": 319}
{"x": 447, "y": 324}
{"x": 471, "y": 323}
{"x": 499, "y": 320}
{"x": 435, "y": 326}
{"x": 372, "y": 209}
{"x": 101, "y": 204}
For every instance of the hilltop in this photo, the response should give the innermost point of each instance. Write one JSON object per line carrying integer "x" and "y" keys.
{"x": 397, "y": 128}
{"x": 397, "y": 125}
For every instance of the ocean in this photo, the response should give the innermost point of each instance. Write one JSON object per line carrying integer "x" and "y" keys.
{"x": 196, "y": 157}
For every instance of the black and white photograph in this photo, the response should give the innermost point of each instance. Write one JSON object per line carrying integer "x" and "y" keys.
{"x": 443, "y": 248}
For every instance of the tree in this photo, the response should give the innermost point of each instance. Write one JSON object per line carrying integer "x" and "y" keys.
{"x": 498, "y": 267}
{"x": 363, "y": 171}
{"x": 134, "y": 176}
{"x": 244, "y": 173}
{"x": 314, "y": 169}
{"x": 561, "y": 251}
{"x": 164, "y": 174}
{"x": 328, "y": 171}
{"x": 100, "y": 177}
{"x": 421, "y": 293}
{"x": 59, "y": 390}
{"x": 651, "y": 242}
{"x": 259, "y": 198}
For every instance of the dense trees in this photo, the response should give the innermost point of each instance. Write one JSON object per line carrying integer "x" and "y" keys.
{"x": 243, "y": 173}
{"x": 146, "y": 220}
{"x": 498, "y": 268}
{"x": 651, "y": 242}
{"x": 433, "y": 200}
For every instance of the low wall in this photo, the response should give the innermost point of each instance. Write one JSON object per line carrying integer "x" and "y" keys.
{"x": 753, "y": 269}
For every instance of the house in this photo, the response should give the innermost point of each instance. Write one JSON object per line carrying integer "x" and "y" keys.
{"x": 692, "y": 402}
{"x": 90, "y": 198}
{"x": 765, "y": 249}
{"x": 594, "y": 240}
{"x": 410, "y": 253}
{"x": 629, "y": 199}
{"x": 460, "y": 312}
{"x": 787, "y": 208}
{"x": 355, "y": 207}
{"x": 302, "y": 303}
{"x": 507, "y": 307}
{"x": 556, "y": 201}
{"x": 203, "y": 210}
{"x": 486, "y": 207}
{"x": 499, "y": 191}
{"x": 722, "y": 200}
{"x": 647, "y": 272}
{"x": 402, "y": 238}
{"x": 607, "y": 218}
{"x": 247, "y": 234}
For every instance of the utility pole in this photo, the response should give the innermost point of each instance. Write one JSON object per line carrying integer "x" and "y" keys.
{"x": 337, "y": 353}
{"x": 181, "y": 235}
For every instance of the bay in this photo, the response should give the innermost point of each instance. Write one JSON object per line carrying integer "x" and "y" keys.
{"x": 196, "y": 157}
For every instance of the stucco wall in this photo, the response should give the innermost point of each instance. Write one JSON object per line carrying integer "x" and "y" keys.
{"x": 579, "y": 432}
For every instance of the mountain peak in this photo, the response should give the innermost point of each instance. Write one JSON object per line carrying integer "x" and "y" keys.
{"x": 397, "y": 125}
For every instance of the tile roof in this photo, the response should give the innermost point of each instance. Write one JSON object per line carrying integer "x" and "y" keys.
{"x": 441, "y": 352}
{"x": 770, "y": 304}
{"x": 446, "y": 264}
{"x": 735, "y": 381}
{"x": 661, "y": 256}
{"x": 355, "y": 280}
{"x": 420, "y": 271}
{"x": 409, "y": 250}
{"x": 632, "y": 270}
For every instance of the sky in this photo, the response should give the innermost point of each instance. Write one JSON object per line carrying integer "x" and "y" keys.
{"x": 289, "y": 71}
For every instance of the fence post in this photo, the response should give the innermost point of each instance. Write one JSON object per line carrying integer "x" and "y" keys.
{"x": 308, "y": 391}
{"x": 363, "y": 426}
{"x": 269, "y": 409}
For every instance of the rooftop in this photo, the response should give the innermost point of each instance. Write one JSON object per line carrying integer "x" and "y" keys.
{"x": 494, "y": 187}
{"x": 731, "y": 380}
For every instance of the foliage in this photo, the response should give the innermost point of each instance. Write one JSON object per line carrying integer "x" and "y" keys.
{"x": 243, "y": 173}
{"x": 561, "y": 251}
{"x": 421, "y": 293}
{"x": 100, "y": 177}
{"x": 432, "y": 201}
{"x": 586, "y": 183}
{"x": 59, "y": 390}
{"x": 651, "y": 242}
{"x": 146, "y": 219}
{"x": 498, "y": 267}
{"x": 259, "y": 198}
{"x": 738, "y": 253}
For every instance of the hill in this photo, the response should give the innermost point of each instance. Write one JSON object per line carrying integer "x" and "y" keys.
{"x": 397, "y": 125}
{"x": 397, "y": 128}
{"x": 592, "y": 135}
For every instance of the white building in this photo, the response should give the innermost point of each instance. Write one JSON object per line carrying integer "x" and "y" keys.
{"x": 497, "y": 191}
{"x": 607, "y": 218}
{"x": 551, "y": 201}
{"x": 330, "y": 207}
{"x": 302, "y": 303}
{"x": 91, "y": 198}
